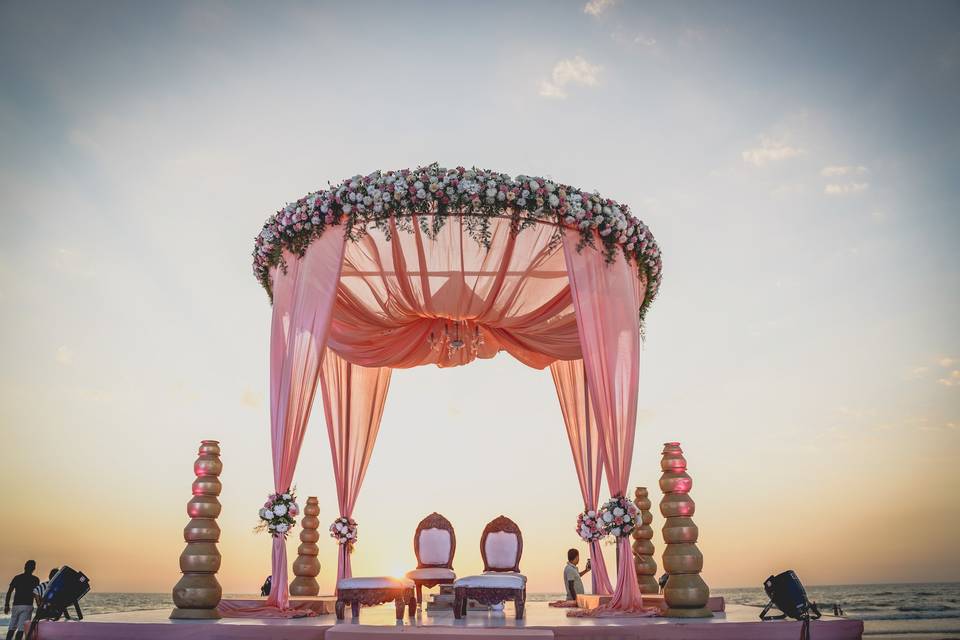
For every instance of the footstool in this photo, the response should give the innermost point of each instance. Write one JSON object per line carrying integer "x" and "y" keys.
{"x": 371, "y": 591}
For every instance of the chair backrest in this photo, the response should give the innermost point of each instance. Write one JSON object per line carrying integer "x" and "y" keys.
{"x": 434, "y": 542}
{"x": 501, "y": 545}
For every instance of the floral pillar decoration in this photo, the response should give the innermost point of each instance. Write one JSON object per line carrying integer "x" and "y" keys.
{"x": 198, "y": 593}
{"x": 643, "y": 545}
{"x": 686, "y": 594}
{"x": 307, "y": 567}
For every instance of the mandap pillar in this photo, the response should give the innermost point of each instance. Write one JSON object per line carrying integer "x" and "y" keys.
{"x": 643, "y": 545}
{"x": 198, "y": 593}
{"x": 307, "y": 567}
{"x": 686, "y": 594}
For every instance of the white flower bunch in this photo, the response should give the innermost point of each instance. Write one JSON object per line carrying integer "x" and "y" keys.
{"x": 279, "y": 512}
{"x": 618, "y": 517}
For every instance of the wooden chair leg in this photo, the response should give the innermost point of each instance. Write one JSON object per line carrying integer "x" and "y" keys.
{"x": 340, "y": 606}
{"x": 400, "y": 604}
{"x": 355, "y": 608}
{"x": 412, "y": 605}
{"x": 419, "y": 594}
{"x": 519, "y": 603}
{"x": 457, "y": 603}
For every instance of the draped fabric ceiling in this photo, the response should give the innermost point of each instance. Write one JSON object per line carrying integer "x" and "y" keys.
{"x": 348, "y": 311}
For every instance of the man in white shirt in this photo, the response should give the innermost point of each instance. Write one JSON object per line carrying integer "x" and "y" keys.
{"x": 572, "y": 574}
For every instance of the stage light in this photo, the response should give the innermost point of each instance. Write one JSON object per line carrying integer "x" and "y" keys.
{"x": 66, "y": 588}
{"x": 786, "y": 593}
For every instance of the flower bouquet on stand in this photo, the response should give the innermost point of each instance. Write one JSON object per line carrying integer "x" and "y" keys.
{"x": 344, "y": 531}
{"x": 279, "y": 513}
{"x": 618, "y": 517}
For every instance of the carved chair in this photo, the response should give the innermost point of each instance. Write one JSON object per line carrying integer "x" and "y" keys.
{"x": 501, "y": 546}
{"x": 434, "y": 543}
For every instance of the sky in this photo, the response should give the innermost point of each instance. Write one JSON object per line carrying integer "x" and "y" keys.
{"x": 796, "y": 162}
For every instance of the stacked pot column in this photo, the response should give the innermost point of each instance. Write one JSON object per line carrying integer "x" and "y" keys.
{"x": 307, "y": 567}
{"x": 198, "y": 593}
{"x": 686, "y": 594}
{"x": 643, "y": 544}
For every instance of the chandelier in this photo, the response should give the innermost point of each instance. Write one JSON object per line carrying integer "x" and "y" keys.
{"x": 456, "y": 335}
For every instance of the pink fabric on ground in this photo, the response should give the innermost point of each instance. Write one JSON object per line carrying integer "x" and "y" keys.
{"x": 353, "y": 399}
{"x": 303, "y": 299}
{"x": 606, "y": 296}
{"x": 395, "y": 293}
{"x": 569, "y": 379}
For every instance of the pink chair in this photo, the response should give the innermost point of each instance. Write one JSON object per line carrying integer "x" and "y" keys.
{"x": 501, "y": 546}
{"x": 434, "y": 543}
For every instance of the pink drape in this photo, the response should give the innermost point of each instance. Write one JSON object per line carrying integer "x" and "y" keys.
{"x": 569, "y": 379}
{"x": 403, "y": 301}
{"x": 353, "y": 399}
{"x": 303, "y": 300}
{"x": 606, "y": 296}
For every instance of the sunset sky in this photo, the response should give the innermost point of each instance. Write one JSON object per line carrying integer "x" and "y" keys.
{"x": 797, "y": 163}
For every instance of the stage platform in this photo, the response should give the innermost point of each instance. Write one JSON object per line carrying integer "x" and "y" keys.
{"x": 737, "y": 623}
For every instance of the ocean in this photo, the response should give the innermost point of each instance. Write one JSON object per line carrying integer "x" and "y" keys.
{"x": 925, "y": 611}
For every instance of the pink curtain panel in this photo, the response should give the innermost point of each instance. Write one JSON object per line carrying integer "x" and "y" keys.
{"x": 569, "y": 377}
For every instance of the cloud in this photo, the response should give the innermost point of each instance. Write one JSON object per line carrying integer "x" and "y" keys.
{"x": 851, "y": 188}
{"x": 574, "y": 71}
{"x": 770, "y": 150}
{"x": 946, "y": 362}
{"x": 598, "y": 7}
{"x": 951, "y": 380}
{"x": 836, "y": 171}
{"x": 64, "y": 356}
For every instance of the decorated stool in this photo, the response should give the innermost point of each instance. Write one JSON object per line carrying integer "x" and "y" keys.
{"x": 371, "y": 591}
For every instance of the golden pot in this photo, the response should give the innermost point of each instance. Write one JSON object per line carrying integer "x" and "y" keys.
{"x": 306, "y": 566}
{"x": 310, "y": 522}
{"x": 312, "y": 508}
{"x": 197, "y": 591}
{"x": 678, "y": 530}
{"x": 676, "y": 482}
{"x": 642, "y": 532}
{"x": 682, "y": 558}
{"x": 646, "y": 517}
{"x": 211, "y": 447}
{"x": 677, "y": 505}
{"x": 309, "y": 535}
{"x": 200, "y": 557}
{"x": 308, "y": 549}
{"x": 645, "y": 565}
{"x": 304, "y": 586}
{"x": 686, "y": 590}
{"x": 207, "y": 485}
{"x": 644, "y": 547}
{"x": 201, "y": 530}
{"x": 203, "y": 507}
{"x": 648, "y": 585}
{"x": 207, "y": 465}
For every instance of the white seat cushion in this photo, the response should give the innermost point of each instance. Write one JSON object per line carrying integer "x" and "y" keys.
{"x": 434, "y": 546}
{"x": 505, "y": 573}
{"x": 501, "y": 548}
{"x": 379, "y": 582}
{"x": 492, "y": 581}
{"x": 431, "y": 573}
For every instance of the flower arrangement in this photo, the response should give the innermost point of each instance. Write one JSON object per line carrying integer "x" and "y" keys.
{"x": 589, "y": 527}
{"x": 618, "y": 517}
{"x": 279, "y": 512}
{"x": 428, "y": 195}
{"x": 344, "y": 531}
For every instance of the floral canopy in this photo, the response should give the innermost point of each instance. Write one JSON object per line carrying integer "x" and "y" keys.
{"x": 442, "y": 266}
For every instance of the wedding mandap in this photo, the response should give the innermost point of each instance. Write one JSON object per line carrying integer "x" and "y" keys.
{"x": 437, "y": 266}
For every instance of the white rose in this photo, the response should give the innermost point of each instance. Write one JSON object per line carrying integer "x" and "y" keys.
{"x": 280, "y": 509}
{"x": 615, "y": 532}
{"x": 608, "y": 517}
{"x": 618, "y": 512}
{"x": 266, "y": 514}
{"x": 592, "y": 513}
{"x": 285, "y": 496}
{"x": 281, "y": 528}
{"x": 554, "y": 200}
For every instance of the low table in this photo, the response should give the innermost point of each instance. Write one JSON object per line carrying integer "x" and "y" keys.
{"x": 372, "y": 591}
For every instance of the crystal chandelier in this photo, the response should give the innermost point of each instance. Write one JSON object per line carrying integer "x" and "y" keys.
{"x": 456, "y": 336}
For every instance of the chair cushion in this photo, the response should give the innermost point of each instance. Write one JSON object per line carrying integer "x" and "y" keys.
{"x": 379, "y": 582}
{"x": 492, "y": 581}
{"x": 434, "y": 546}
{"x": 501, "y": 548}
{"x": 432, "y": 573}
